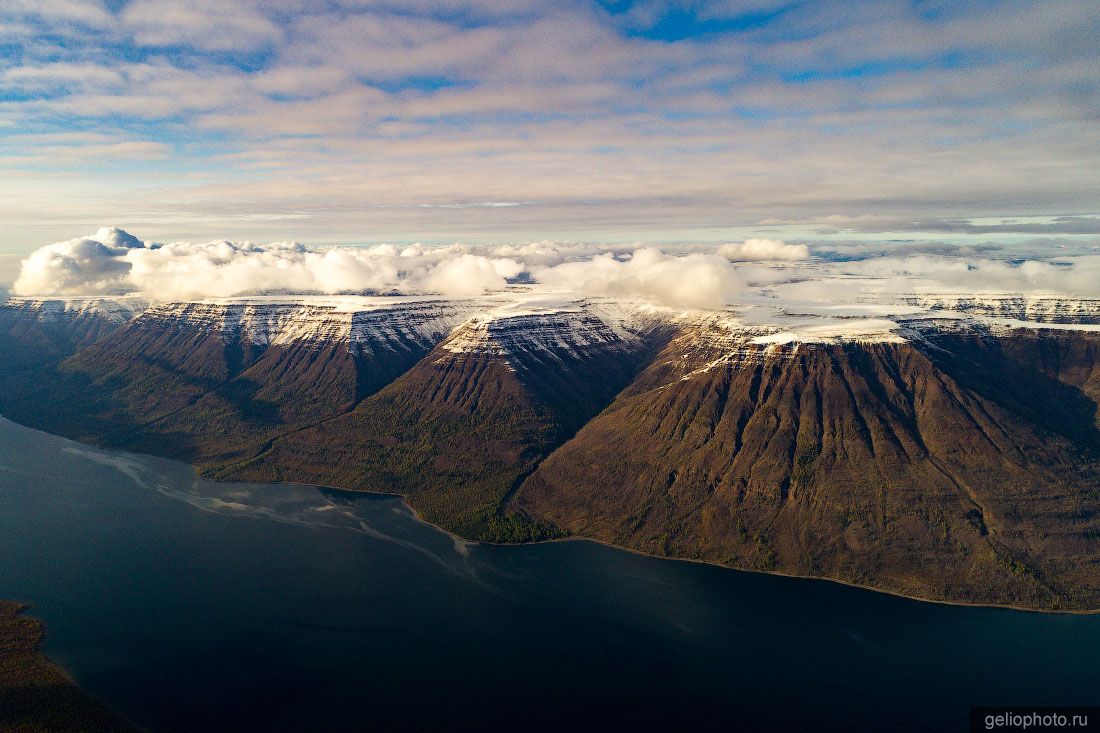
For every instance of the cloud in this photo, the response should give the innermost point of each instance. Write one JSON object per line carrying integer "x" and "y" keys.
{"x": 695, "y": 280}
{"x": 83, "y": 12}
{"x": 470, "y": 274}
{"x": 764, "y": 249}
{"x": 200, "y": 24}
{"x": 113, "y": 261}
{"x": 220, "y": 269}
{"x": 353, "y": 112}
{"x": 95, "y": 264}
{"x": 1078, "y": 275}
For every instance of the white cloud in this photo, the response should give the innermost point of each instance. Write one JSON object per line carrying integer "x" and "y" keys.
{"x": 206, "y": 25}
{"x": 78, "y": 265}
{"x": 554, "y": 104}
{"x": 764, "y": 249}
{"x": 85, "y": 12}
{"x": 220, "y": 269}
{"x": 1071, "y": 275}
{"x": 470, "y": 274}
{"x": 697, "y": 280}
{"x": 113, "y": 261}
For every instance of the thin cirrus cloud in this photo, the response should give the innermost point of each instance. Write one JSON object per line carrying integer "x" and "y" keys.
{"x": 631, "y": 119}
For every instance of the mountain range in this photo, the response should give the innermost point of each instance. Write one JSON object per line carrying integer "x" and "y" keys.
{"x": 941, "y": 446}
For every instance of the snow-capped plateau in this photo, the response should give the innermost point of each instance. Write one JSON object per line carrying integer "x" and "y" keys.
{"x": 115, "y": 310}
{"x": 528, "y": 319}
{"x": 274, "y": 322}
{"x": 1036, "y": 308}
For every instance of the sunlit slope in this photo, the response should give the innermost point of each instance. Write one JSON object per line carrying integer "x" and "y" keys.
{"x": 953, "y": 466}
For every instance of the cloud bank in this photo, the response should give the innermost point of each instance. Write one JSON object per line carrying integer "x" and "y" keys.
{"x": 114, "y": 262}
{"x": 1078, "y": 275}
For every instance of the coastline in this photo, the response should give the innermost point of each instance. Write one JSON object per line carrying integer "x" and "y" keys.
{"x": 417, "y": 515}
{"x": 37, "y": 693}
{"x": 642, "y": 553}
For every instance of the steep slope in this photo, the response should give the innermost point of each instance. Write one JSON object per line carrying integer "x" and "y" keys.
{"x": 38, "y": 332}
{"x": 461, "y": 428}
{"x": 35, "y": 335}
{"x": 215, "y": 381}
{"x": 1067, "y": 356}
{"x": 939, "y": 467}
{"x": 290, "y": 369}
{"x": 936, "y": 454}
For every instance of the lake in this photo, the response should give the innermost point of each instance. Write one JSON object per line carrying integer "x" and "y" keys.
{"x": 191, "y": 605}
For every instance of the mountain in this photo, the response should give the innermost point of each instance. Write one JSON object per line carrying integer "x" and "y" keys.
{"x": 937, "y": 449}
{"x": 460, "y": 430}
{"x": 213, "y": 381}
{"x": 35, "y": 335}
{"x": 1034, "y": 308}
{"x": 37, "y": 332}
{"x": 949, "y": 466}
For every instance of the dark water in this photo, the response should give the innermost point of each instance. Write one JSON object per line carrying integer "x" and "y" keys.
{"x": 188, "y": 605}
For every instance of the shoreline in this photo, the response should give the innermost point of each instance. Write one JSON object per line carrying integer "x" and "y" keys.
{"x": 611, "y": 545}
{"x": 642, "y": 553}
{"x": 41, "y": 693}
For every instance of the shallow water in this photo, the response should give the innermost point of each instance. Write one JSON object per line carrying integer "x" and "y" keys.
{"x": 190, "y": 605}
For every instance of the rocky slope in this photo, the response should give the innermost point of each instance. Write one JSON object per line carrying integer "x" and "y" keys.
{"x": 950, "y": 466}
{"x": 214, "y": 381}
{"x": 35, "y": 331}
{"x": 934, "y": 452}
{"x": 461, "y": 429}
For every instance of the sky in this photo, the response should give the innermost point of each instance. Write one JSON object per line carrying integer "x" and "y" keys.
{"x": 370, "y": 121}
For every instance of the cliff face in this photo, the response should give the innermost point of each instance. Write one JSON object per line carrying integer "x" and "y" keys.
{"x": 35, "y": 335}
{"x": 940, "y": 455}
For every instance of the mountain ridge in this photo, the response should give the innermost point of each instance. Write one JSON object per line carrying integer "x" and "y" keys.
{"x": 936, "y": 455}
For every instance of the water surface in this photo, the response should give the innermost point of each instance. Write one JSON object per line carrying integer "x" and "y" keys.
{"x": 190, "y": 605}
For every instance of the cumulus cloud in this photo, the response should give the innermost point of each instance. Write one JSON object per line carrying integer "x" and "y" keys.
{"x": 697, "y": 280}
{"x": 112, "y": 261}
{"x": 470, "y": 274}
{"x": 96, "y": 264}
{"x": 764, "y": 249}
{"x": 115, "y": 262}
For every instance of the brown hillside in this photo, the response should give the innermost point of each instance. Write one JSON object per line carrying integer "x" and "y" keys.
{"x": 919, "y": 470}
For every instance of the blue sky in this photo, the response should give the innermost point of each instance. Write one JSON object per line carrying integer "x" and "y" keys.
{"x": 366, "y": 120}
